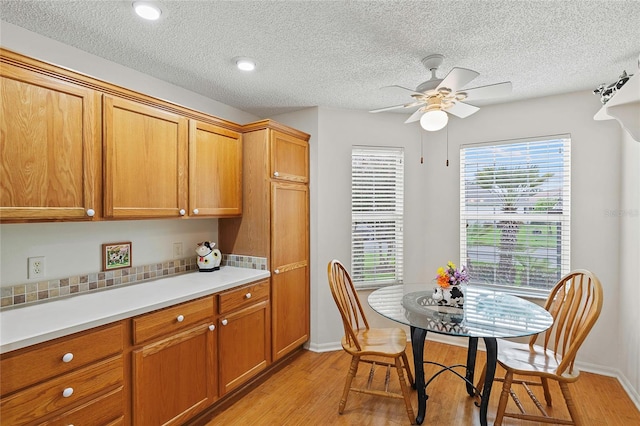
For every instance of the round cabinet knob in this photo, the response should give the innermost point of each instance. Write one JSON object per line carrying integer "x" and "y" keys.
{"x": 91, "y": 212}
{"x": 276, "y": 174}
{"x": 196, "y": 211}
{"x": 67, "y": 357}
{"x": 248, "y": 295}
{"x": 180, "y": 318}
{"x": 67, "y": 392}
{"x": 212, "y": 327}
{"x": 182, "y": 212}
{"x": 277, "y": 271}
{"x": 225, "y": 322}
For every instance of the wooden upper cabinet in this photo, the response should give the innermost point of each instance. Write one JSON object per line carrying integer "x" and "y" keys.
{"x": 145, "y": 164}
{"x": 49, "y": 147}
{"x": 215, "y": 170}
{"x": 289, "y": 157}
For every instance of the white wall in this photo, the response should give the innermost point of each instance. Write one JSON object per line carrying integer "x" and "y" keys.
{"x": 74, "y": 248}
{"x": 629, "y": 314}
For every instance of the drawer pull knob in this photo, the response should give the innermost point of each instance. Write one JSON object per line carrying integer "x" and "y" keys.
{"x": 276, "y": 174}
{"x": 182, "y": 212}
{"x": 91, "y": 212}
{"x": 248, "y": 295}
{"x": 196, "y": 211}
{"x": 212, "y": 327}
{"x": 180, "y": 318}
{"x": 277, "y": 271}
{"x": 67, "y": 392}
{"x": 67, "y": 357}
{"x": 225, "y": 322}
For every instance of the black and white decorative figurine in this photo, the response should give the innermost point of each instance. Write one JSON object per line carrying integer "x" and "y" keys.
{"x": 209, "y": 258}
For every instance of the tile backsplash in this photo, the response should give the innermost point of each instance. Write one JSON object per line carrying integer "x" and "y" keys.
{"x": 32, "y": 292}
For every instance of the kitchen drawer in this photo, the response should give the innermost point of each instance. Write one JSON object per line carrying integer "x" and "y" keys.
{"x": 105, "y": 410}
{"x": 49, "y": 397}
{"x": 20, "y": 369}
{"x": 172, "y": 319}
{"x": 243, "y": 296}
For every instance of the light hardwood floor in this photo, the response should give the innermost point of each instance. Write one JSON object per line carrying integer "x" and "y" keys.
{"x": 307, "y": 392}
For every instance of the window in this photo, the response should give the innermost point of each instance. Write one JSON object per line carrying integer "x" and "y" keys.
{"x": 377, "y": 199}
{"x": 515, "y": 213}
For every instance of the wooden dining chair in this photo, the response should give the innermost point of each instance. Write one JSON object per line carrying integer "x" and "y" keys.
{"x": 575, "y": 304}
{"x": 369, "y": 345}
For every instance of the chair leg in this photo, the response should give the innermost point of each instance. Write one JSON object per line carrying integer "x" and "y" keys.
{"x": 353, "y": 369}
{"x": 504, "y": 398}
{"x": 573, "y": 411}
{"x": 481, "y": 380}
{"x": 547, "y": 394}
{"x": 405, "y": 361}
{"x": 405, "y": 390}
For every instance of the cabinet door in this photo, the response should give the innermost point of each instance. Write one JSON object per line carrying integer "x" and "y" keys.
{"x": 50, "y": 147}
{"x": 215, "y": 170}
{"x": 289, "y": 158}
{"x": 145, "y": 161}
{"x": 244, "y": 345}
{"x": 290, "y": 266}
{"x": 175, "y": 378}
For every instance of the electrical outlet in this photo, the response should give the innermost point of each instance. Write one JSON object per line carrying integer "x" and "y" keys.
{"x": 36, "y": 267}
{"x": 177, "y": 250}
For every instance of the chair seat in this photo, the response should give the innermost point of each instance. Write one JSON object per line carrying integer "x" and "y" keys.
{"x": 523, "y": 359}
{"x": 378, "y": 341}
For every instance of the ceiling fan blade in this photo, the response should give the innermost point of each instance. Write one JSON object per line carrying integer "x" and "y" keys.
{"x": 462, "y": 110}
{"x": 389, "y": 108}
{"x": 403, "y": 88}
{"x": 490, "y": 91}
{"x": 457, "y": 78}
{"x": 415, "y": 116}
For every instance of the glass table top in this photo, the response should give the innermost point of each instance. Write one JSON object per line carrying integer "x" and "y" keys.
{"x": 486, "y": 313}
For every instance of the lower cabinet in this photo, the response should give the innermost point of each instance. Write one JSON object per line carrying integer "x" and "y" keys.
{"x": 174, "y": 363}
{"x": 78, "y": 379}
{"x": 244, "y": 334}
{"x": 160, "y": 368}
{"x": 175, "y": 378}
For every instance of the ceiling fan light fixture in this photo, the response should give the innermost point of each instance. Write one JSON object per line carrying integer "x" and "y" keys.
{"x": 147, "y": 11}
{"x": 434, "y": 120}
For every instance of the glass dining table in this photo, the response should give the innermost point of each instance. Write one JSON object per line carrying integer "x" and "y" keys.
{"x": 486, "y": 314}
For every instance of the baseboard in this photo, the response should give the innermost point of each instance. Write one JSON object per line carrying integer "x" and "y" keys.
{"x": 325, "y": 347}
{"x": 456, "y": 341}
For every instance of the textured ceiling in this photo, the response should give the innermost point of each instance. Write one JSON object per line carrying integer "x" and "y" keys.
{"x": 342, "y": 53}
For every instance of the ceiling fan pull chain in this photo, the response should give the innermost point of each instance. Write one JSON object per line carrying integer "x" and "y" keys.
{"x": 421, "y": 145}
{"x": 447, "y": 146}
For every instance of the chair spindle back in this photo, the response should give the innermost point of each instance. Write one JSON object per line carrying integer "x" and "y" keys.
{"x": 575, "y": 304}
{"x": 347, "y": 301}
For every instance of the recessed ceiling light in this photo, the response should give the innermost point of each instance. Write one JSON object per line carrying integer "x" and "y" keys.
{"x": 245, "y": 64}
{"x": 147, "y": 10}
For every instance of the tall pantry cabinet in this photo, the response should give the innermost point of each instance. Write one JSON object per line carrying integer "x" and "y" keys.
{"x": 275, "y": 225}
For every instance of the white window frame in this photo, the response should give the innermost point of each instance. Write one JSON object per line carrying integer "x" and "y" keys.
{"x": 545, "y": 243}
{"x": 377, "y": 204}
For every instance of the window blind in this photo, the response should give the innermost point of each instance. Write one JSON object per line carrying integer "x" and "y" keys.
{"x": 515, "y": 209}
{"x": 377, "y": 207}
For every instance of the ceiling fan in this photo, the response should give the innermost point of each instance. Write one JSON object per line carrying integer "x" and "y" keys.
{"x": 436, "y": 97}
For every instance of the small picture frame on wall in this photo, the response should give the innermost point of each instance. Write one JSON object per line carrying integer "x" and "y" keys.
{"x": 116, "y": 256}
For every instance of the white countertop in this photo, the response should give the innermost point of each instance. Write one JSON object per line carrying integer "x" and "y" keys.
{"x": 22, "y": 327}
